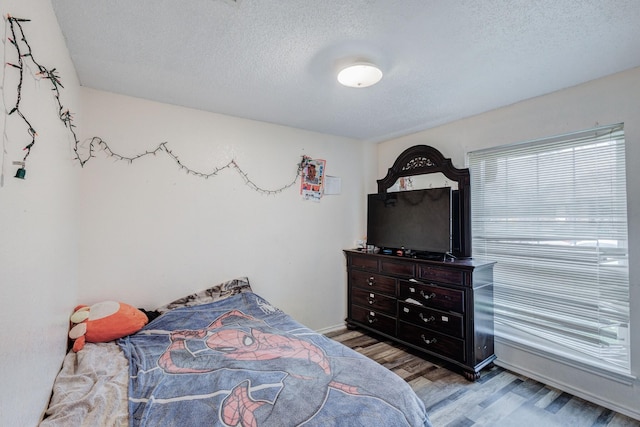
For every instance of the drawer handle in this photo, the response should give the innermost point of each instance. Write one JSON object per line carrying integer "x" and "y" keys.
{"x": 372, "y": 298}
{"x": 425, "y": 296}
{"x": 371, "y": 281}
{"x": 371, "y": 319}
{"x": 428, "y": 342}
{"x": 427, "y": 319}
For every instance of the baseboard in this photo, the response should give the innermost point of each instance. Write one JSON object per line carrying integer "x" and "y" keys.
{"x": 630, "y": 412}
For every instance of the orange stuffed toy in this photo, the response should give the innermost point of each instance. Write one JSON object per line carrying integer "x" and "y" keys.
{"x": 104, "y": 321}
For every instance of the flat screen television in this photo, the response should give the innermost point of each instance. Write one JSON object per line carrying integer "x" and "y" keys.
{"x": 421, "y": 221}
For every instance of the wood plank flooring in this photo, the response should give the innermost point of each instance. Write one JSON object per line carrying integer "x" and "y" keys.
{"x": 498, "y": 399}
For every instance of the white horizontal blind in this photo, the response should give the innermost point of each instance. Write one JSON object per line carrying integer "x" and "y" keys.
{"x": 553, "y": 214}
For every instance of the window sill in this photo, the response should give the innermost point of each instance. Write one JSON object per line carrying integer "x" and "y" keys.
{"x": 618, "y": 375}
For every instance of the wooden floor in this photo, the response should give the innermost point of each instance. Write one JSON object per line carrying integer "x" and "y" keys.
{"x": 498, "y": 399}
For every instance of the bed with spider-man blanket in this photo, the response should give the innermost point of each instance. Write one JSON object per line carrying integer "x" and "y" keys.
{"x": 239, "y": 361}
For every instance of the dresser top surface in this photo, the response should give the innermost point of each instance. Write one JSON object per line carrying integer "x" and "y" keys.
{"x": 471, "y": 263}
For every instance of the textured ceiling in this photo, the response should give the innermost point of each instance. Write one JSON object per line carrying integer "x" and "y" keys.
{"x": 276, "y": 61}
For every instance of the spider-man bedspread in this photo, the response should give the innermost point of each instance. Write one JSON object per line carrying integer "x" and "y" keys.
{"x": 241, "y": 361}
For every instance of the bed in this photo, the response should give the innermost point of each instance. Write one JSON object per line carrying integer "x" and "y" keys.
{"x": 225, "y": 356}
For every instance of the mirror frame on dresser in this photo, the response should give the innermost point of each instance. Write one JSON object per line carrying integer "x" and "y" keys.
{"x": 423, "y": 160}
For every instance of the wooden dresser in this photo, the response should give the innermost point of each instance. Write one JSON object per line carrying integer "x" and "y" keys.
{"x": 444, "y": 309}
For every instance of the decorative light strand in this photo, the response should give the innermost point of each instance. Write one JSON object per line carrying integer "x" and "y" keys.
{"x": 13, "y": 22}
{"x": 98, "y": 143}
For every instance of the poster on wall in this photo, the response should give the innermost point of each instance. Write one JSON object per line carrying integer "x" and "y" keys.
{"x": 312, "y": 183}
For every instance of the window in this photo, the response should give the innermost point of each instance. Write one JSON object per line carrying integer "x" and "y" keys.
{"x": 553, "y": 214}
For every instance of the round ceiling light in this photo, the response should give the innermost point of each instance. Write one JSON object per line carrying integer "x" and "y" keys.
{"x": 360, "y": 75}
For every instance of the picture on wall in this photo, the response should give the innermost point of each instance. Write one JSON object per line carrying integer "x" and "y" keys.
{"x": 312, "y": 183}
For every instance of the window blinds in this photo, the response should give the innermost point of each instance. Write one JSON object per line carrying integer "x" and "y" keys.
{"x": 553, "y": 214}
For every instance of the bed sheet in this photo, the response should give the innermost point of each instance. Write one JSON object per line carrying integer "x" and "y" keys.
{"x": 90, "y": 389}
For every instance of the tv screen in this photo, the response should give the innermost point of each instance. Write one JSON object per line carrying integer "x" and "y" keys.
{"x": 417, "y": 220}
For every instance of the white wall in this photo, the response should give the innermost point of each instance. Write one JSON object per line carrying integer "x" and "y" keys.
{"x": 38, "y": 221}
{"x": 151, "y": 232}
{"x": 606, "y": 101}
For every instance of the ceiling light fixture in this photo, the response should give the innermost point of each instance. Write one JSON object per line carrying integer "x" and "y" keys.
{"x": 359, "y": 75}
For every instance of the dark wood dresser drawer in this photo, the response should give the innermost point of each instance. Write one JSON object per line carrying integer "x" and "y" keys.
{"x": 447, "y": 323}
{"x": 438, "y": 274}
{"x": 373, "y": 319}
{"x": 429, "y": 340}
{"x": 444, "y": 299}
{"x": 364, "y": 262}
{"x": 373, "y": 282}
{"x": 398, "y": 268}
{"x": 374, "y": 301}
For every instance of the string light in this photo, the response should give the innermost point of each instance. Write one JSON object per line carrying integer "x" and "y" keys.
{"x": 21, "y": 66}
{"x": 97, "y": 143}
